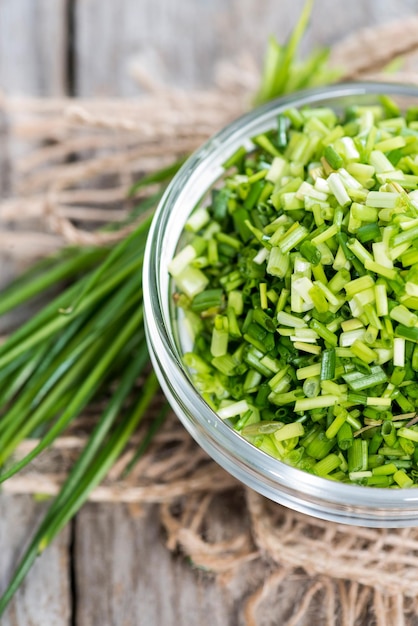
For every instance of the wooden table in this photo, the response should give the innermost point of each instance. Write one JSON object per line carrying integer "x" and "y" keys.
{"x": 110, "y": 567}
{"x": 96, "y": 47}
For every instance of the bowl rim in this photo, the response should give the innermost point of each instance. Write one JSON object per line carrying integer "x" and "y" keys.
{"x": 223, "y": 443}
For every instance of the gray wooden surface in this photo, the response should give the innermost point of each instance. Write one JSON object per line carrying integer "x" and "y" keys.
{"x": 136, "y": 580}
{"x": 45, "y": 597}
{"x": 110, "y": 567}
{"x": 92, "y": 47}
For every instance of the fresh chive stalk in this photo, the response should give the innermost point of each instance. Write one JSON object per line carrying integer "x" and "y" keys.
{"x": 283, "y": 74}
{"x": 88, "y": 339}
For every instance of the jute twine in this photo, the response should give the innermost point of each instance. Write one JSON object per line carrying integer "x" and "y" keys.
{"x": 67, "y": 168}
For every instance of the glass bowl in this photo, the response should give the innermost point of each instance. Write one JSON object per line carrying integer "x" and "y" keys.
{"x": 294, "y": 488}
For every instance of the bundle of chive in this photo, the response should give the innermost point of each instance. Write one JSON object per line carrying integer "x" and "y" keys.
{"x": 85, "y": 341}
{"x": 299, "y": 283}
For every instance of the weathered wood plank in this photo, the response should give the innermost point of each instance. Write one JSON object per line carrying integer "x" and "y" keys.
{"x": 126, "y": 576}
{"x": 44, "y": 597}
{"x": 6, "y": 270}
{"x": 181, "y": 42}
{"x": 33, "y": 47}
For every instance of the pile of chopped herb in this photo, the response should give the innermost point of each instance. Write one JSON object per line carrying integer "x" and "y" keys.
{"x": 299, "y": 284}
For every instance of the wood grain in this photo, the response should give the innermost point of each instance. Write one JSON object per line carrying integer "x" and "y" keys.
{"x": 126, "y": 576}
{"x": 44, "y": 598}
{"x": 6, "y": 269}
{"x": 33, "y": 47}
{"x": 181, "y": 43}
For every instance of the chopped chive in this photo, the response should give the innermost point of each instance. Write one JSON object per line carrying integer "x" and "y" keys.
{"x": 236, "y": 158}
{"x": 335, "y": 426}
{"x": 233, "y": 409}
{"x": 333, "y": 158}
{"x": 408, "y": 433}
{"x": 306, "y": 404}
{"x": 402, "y": 315}
{"x": 208, "y": 299}
{"x": 328, "y": 361}
{"x": 323, "y": 332}
{"x": 363, "y": 351}
{"x": 310, "y": 252}
{"x": 402, "y": 479}
{"x": 411, "y": 334}
{"x": 345, "y": 436}
{"x": 357, "y": 456}
{"x": 337, "y": 188}
{"x": 320, "y": 446}
{"x": 315, "y": 277}
{"x": 327, "y": 465}
{"x": 389, "y": 433}
{"x": 288, "y": 431}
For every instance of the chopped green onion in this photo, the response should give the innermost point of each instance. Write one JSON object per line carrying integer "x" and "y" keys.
{"x": 357, "y": 456}
{"x": 327, "y": 465}
{"x": 288, "y": 431}
{"x": 335, "y": 426}
{"x": 333, "y": 158}
{"x": 313, "y": 285}
{"x": 345, "y": 436}
{"x": 328, "y": 361}
{"x": 233, "y": 409}
{"x": 306, "y": 404}
{"x": 403, "y": 479}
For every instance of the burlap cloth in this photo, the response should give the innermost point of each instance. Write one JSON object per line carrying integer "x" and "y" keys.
{"x": 65, "y": 168}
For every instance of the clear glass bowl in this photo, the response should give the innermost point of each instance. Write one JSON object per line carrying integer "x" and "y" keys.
{"x": 350, "y": 504}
